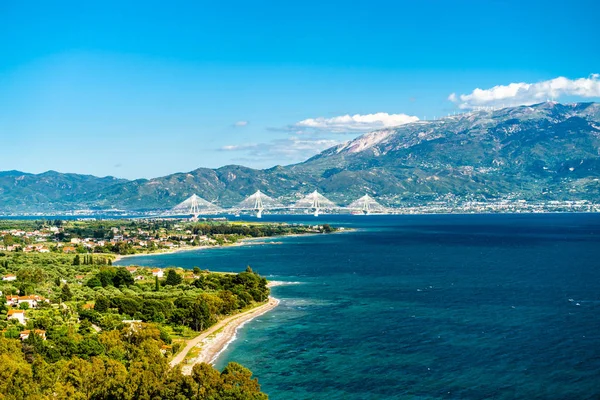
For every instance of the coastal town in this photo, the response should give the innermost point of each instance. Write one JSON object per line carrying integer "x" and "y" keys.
{"x": 132, "y": 236}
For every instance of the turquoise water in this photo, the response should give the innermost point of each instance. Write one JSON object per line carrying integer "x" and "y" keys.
{"x": 427, "y": 307}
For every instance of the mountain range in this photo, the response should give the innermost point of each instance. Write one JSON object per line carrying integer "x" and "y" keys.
{"x": 544, "y": 152}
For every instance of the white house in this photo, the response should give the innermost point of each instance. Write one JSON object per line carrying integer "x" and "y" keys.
{"x": 32, "y": 300}
{"x": 12, "y": 300}
{"x": 19, "y": 315}
{"x": 9, "y": 278}
{"x": 158, "y": 272}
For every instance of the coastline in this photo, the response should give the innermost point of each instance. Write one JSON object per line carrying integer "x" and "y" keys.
{"x": 242, "y": 242}
{"x": 213, "y": 341}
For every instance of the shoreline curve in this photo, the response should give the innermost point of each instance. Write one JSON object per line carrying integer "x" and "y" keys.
{"x": 216, "y": 339}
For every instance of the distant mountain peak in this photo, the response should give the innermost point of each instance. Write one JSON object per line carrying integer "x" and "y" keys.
{"x": 542, "y": 152}
{"x": 365, "y": 141}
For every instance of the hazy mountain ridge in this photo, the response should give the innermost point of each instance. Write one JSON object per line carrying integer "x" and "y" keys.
{"x": 544, "y": 152}
{"x": 50, "y": 190}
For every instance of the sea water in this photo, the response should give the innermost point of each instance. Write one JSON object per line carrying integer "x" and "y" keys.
{"x": 426, "y": 307}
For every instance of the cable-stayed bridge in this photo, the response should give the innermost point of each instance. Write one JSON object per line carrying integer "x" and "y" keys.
{"x": 258, "y": 203}
{"x": 316, "y": 202}
{"x": 367, "y": 205}
{"x": 194, "y": 206}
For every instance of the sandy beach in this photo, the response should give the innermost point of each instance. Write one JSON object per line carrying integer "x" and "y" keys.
{"x": 216, "y": 339}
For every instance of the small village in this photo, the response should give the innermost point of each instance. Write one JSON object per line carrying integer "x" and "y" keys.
{"x": 57, "y": 239}
{"x": 20, "y": 308}
{"x": 133, "y": 236}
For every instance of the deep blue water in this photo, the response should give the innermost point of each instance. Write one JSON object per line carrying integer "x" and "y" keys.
{"x": 427, "y": 307}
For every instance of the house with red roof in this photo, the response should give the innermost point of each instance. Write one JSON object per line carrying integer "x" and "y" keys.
{"x": 25, "y": 334}
{"x": 158, "y": 272}
{"x": 19, "y": 315}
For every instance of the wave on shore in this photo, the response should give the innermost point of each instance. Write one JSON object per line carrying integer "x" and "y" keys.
{"x": 216, "y": 340}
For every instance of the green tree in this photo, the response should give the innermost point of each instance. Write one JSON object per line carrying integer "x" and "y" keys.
{"x": 156, "y": 284}
{"x": 93, "y": 282}
{"x": 77, "y": 260}
{"x": 173, "y": 278}
{"x": 17, "y": 376}
{"x": 85, "y": 327}
{"x": 208, "y": 380}
{"x": 106, "y": 276}
{"x": 327, "y": 228}
{"x": 12, "y": 333}
{"x": 239, "y": 384}
{"x": 32, "y": 274}
{"x": 197, "y": 271}
{"x": 65, "y": 293}
{"x": 122, "y": 278}
{"x": 102, "y": 304}
{"x": 8, "y": 240}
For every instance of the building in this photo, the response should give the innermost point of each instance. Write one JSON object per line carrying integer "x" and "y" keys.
{"x": 131, "y": 269}
{"x": 25, "y": 334}
{"x": 12, "y": 300}
{"x": 158, "y": 272}
{"x": 19, "y": 315}
{"x": 32, "y": 300}
{"x": 9, "y": 278}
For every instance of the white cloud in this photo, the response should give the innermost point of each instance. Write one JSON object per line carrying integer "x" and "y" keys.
{"x": 357, "y": 122}
{"x": 238, "y": 147}
{"x": 529, "y": 93}
{"x": 240, "y": 124}
{"x": 291, "y": 150}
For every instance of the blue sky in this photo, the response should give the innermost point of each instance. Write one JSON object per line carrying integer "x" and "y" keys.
{"x": 151, "y": 88}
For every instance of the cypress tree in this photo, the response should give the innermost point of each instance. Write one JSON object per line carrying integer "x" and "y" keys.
{"x": 66, "y": 294}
